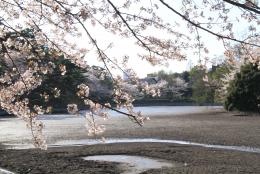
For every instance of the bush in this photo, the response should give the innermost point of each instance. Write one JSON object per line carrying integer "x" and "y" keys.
{"x": 244, "y": 90}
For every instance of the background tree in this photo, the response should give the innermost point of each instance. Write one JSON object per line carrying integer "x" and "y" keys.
{"x": 201, "y": 92}
{"x": 215, "y": 78}
{"x": 243, "y": 91}
{"x": 175, "y": 88}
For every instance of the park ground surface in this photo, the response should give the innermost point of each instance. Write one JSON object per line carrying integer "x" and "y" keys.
{"x": 210, "y": 127}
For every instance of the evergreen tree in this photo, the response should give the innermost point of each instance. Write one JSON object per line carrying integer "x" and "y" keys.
{"x": 244, "y": 90}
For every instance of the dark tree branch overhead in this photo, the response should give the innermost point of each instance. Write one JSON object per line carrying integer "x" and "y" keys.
{"x": 205, "y": 29}
{"x": 125, "y": 22}
{"x": 132, "y": 31}
{"x": 244, "y": 6}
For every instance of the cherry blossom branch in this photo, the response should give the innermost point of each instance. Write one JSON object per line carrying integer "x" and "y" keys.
{"x": 205, "y": 29}
{"x": 116, "y": 110}
{"x": 8, "y": 55}
{"x": 100, "y": 52}
{"x": 132, "y": 31}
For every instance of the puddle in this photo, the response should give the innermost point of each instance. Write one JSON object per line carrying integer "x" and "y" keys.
{"x": 3, "y": 171}
{"x": 140, "y": 140}
{"x": 131, "y": 164}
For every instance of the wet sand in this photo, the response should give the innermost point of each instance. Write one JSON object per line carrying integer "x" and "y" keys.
{"x": 213, "y": 127}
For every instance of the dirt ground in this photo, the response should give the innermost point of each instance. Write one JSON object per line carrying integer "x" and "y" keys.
{"x": 213, "y": 127}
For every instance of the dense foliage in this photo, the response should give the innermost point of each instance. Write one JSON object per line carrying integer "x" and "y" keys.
{"x": 58, "y": 90}
{"x": 244, "y": 90}
{"x": 201, "y": 93}
{"x": 199, "y": 85}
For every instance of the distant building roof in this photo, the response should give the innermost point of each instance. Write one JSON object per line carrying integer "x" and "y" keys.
{"x": 150, "y": 80}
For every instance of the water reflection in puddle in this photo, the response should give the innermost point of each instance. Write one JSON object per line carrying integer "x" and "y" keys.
{"x": 131, "y": 164}
{"x": 141, "y": 140}
{"x": 3, "y": 171}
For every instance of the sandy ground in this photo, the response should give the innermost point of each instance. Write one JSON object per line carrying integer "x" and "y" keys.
{"x": 213, "y": 127}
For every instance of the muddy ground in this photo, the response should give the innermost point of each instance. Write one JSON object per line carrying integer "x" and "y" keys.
{"x": 216, "y": 127}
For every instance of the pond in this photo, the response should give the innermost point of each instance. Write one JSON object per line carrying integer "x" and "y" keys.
{"x": 65, "y": 126}
{"x": 174, "y": 110}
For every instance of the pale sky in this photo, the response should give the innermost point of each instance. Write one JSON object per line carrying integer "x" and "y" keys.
{"x": 142, "y": 68}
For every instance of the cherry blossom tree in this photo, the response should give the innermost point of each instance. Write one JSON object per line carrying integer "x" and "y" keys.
{"x": 42, "y": 31}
